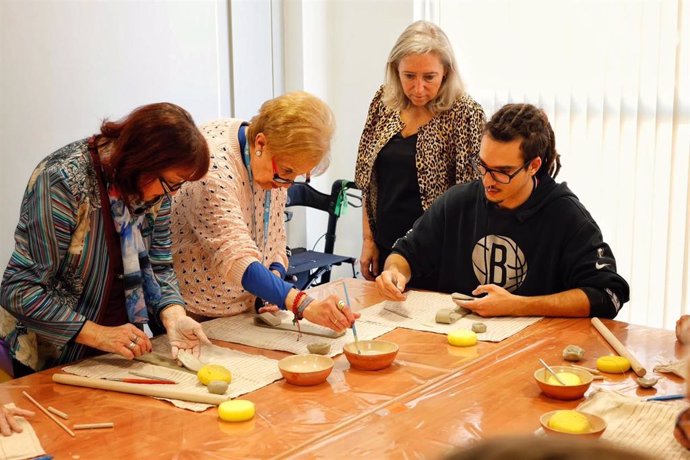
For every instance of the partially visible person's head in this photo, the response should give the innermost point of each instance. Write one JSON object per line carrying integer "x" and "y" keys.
{"x": 290, "y": 137}
{"x": 529, "y": 125}
{"x": 544, "y": 448}
{"x": 154, "y": 150}
{"x": 421, "y": 70}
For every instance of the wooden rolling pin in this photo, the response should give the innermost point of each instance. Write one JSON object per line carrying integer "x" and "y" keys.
{"x": 145, "y": 390}
{"x": 619, "y": 347}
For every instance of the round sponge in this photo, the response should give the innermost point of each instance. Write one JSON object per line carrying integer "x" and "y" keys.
{"x": 462, "y": 338}
{"x": 613, "y": 364}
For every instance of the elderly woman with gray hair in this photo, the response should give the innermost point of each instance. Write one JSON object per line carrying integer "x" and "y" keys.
{"x": 421, "y": 131}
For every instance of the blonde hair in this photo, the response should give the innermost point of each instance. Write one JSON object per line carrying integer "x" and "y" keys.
{"x": 423, "y": 37}
{"x": 297, "y": 125}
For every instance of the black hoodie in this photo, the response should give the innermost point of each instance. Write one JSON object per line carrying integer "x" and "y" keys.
{"x": 548, "y": 245}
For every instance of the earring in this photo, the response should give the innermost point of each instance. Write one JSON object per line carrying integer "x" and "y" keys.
{"x": 258, "y": 153}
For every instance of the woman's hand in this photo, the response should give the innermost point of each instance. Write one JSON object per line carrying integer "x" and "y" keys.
{"x": 369, "y": 260}
{"x": 183, "y": 332}
{"x": 326, "y": 313}
{"x": 126, "y": 340}
{"x": 8, "y": 424}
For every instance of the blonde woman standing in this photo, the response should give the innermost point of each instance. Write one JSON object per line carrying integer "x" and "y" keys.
{"x": 228, "y": 229}
{"x": 421, "y": 131}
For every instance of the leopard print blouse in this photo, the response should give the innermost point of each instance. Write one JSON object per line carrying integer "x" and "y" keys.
{"x": 444, "y": 148}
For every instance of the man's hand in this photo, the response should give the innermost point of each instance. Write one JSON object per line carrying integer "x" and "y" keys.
{"x": 391, "y": 284}
{"x": 496, "y": 302}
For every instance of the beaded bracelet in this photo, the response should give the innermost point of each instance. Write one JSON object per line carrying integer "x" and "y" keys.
{"x": 296, "y": 302}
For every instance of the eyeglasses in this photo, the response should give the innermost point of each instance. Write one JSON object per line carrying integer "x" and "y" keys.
{"x": 167, "y": 188}
{"x": 280, "y": 180}
{"x": 499, "y": 176}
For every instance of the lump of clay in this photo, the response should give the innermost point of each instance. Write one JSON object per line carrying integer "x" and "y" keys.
{"x": 447, "y": 316}
{"x": 479, "y": 327}
{"x": 647, "y": 382}
{"x": 321, "y": 348}
{"x": 573, "y": 353}
{"x": 217, "y": 387}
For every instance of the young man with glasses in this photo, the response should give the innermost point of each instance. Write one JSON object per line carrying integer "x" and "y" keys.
{"x": 520, "y": 242}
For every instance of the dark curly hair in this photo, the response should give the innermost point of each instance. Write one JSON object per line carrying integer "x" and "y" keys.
{"x": 526, "y": 121}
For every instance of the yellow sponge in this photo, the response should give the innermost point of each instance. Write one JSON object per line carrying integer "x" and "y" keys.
{"x": 569, "y": 421}
{"x": 462, "y": 338}
{"x": 613, "y": 364}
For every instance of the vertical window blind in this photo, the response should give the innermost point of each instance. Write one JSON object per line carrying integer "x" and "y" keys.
{"x": 614, "y": 79}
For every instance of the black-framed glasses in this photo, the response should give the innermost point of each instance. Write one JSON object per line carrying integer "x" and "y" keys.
{"x": 167, "y": 188}
{"x": 280, "y": 180}
{"x": 499, "y": 176}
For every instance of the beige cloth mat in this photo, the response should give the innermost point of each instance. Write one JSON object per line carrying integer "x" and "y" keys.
{"x": 679, "y": 368}
{"x": 418, "y": 312}
{"x": 22, "y": 445}
{"x": 646, "y": 426}
{"x": 241, "y": 329}
{"x": 249, "y": 372}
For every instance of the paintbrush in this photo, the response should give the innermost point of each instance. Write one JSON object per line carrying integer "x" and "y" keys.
{"x": 546, "y": 366}
{"x": 354, "y": 329}
{"x": 145, "y": 381}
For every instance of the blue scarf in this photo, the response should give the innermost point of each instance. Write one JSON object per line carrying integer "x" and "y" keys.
{"x": 141, "y": 286}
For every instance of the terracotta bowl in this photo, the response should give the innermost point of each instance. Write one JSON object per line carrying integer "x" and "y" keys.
{"x": 305, "y": 370}
{"x": 375, "y": 354}
{"x": 597, "y": 424}
{"x": 566, "y": 392}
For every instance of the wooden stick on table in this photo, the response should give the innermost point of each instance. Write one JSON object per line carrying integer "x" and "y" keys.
{"x": 145, "y": 390}
{"x": 619, "y": 347}
{"x": 58, "y": 412}
{"x": 52, "y": 417}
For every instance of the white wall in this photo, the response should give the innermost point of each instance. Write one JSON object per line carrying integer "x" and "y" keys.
{"x": 338, "y": 50}
{"x": 66, "y": 65}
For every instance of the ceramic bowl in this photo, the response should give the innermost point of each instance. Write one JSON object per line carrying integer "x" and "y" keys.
{"x": 305, "y": 370}
{"x": 375, "y": 354}
{"x": 597, "y": 426}
{"x": 566, "y": 392}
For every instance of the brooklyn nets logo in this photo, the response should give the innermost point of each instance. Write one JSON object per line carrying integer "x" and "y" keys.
{"x": 498, "y": 260}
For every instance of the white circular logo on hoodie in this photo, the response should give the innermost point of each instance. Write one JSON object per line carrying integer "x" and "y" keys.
{"x": 498, "y": 260}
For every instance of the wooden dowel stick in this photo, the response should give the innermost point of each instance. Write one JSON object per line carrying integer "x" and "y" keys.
{"x": 58, "y": 413}
{"x": 52, "y": 417}
{"x": 619, "y": 347}
{"x": 91, "y": 426}
{"x": 133, "y": 388}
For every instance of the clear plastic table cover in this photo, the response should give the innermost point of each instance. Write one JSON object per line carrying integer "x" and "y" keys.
{"x": 433, "y": 398}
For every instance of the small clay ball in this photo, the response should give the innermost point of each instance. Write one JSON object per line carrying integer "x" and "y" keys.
{"x": 217, "y": 387}
{"x": 573, "y": 353}
{"x": 478, "y": 327}
{"x": 321, "y": 348}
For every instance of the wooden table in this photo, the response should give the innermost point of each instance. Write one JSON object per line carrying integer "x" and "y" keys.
{"x": 434, "y": 397}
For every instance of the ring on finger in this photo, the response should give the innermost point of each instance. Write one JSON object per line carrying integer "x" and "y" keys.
{"x": 132, "y": 345}
{"x": 341, "y": 305}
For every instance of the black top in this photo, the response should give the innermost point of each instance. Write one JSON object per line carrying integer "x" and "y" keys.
{"x": 549, "y": 244}
{"x": 399, "y": 203}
